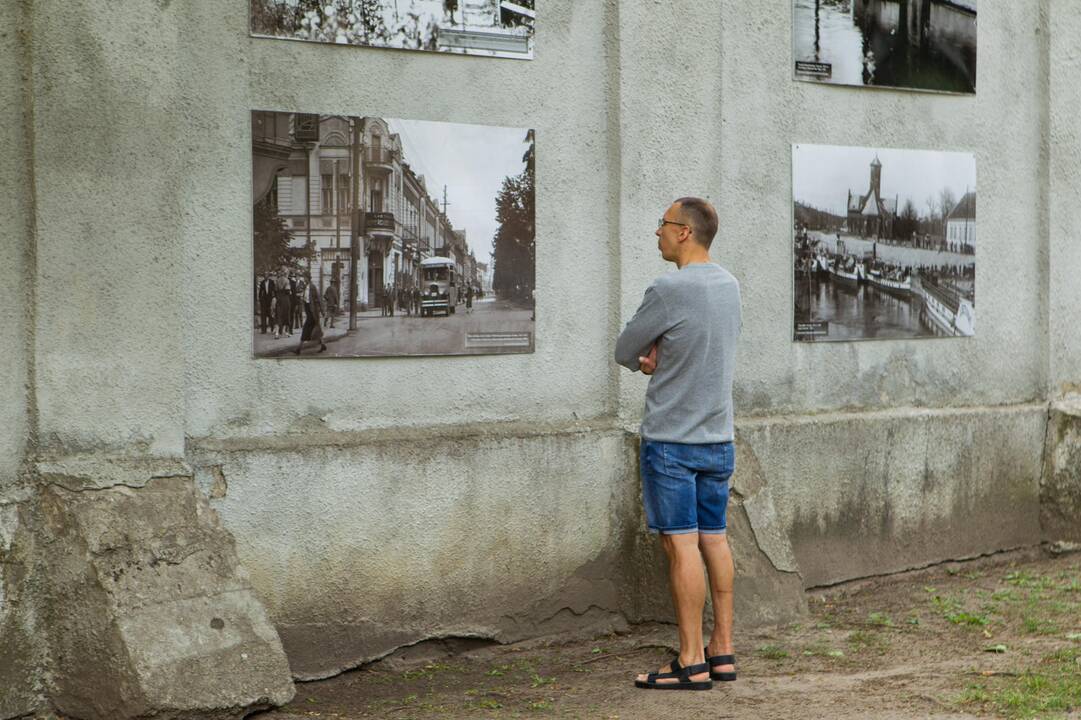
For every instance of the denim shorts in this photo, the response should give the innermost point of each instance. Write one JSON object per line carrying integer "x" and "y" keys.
{"x": 685, "y": 487}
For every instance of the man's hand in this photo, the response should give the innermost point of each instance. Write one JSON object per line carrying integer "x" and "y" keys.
{"x": 648, "y": 364}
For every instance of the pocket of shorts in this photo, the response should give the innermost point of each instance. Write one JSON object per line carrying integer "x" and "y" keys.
{"x": 653, "y": 457}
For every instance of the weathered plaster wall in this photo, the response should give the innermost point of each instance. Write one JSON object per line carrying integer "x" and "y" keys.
{"x": 1063, "y": 251}
{"x": 361, "y": 543}
{"x": 15, "y": 288}
{"x": 109, "y": 156}
{"x": 20, "y": 655}
{"x": 383, "y": 501}
{"x": 881, "y": 492}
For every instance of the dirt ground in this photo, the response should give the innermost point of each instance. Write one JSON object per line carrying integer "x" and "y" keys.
{"x": 993, "y": 638}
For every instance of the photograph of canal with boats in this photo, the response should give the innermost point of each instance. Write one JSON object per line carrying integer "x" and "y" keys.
{"x": 885, "y": 243}
{"x": 906, "y": 44}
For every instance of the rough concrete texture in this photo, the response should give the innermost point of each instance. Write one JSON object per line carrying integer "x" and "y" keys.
{"x": 384, "y": 501}
{"x": 148, "y": 611}
{"x": 1063, "y": 189}
{"x": 875, "y": 493}
{"x": 1060, "y": 490}
{"x": 15, "y": 203}
{"x": 108, "y": 112}
{"x": 21, "y": 649}
{"x": 360, "y": 544}
{"x": 413, "y": 530}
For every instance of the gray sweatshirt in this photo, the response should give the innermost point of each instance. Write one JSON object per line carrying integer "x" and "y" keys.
{"x": 693, "y": 315}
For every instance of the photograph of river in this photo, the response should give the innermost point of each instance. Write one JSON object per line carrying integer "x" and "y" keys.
{"x": 884, "y": 243}
{"x": 906, "y": 44}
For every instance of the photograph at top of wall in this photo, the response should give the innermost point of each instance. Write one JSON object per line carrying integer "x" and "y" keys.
{"x": 904, "y": 44}
{"x": 885, "y": 243}
{"x": 379, "y": 236}
{"x": 495, "y": 28}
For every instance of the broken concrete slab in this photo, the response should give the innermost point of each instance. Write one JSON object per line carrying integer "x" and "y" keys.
{"x": 1060, "y": 486}
{"x": 148, "y": 609}
{"x": 21, "y": 648}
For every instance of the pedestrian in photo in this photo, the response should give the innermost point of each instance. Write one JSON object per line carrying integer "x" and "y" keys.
{"x": 383, "y": 300}
{"x": 294, "y": 302}
{"x": 388, "y": 294}
{"x": 284, "y": 307}
{"x": 266, "y": 301}
{"x": 684, "y": 336}
{"x": 312, "y": 329}
{"x": 330, "y": 301}
{"x": 416, "y": 301}
{"x": 469, "y": 299}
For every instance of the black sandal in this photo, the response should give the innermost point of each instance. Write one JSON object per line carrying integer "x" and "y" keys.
{"x": 684, "y": 675}
{"x": 717, "y": 660}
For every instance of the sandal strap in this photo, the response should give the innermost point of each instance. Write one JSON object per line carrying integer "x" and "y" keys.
{"x": 686, "y": 673}
{"x": 722, "y": 660}
{"x": 662, "y": 676}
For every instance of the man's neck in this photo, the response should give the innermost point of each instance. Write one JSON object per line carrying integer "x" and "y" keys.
{"x": 695, "y": 258}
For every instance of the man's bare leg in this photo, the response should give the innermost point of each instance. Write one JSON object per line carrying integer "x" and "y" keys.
{"x": 718, "y": 558}
{"x": 687, "y": 582}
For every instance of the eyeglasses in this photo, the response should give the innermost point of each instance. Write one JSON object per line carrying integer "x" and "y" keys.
{"x": 662, "y": 222}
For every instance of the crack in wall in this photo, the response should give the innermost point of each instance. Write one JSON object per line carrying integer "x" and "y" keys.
{"x": 919, "y": 568}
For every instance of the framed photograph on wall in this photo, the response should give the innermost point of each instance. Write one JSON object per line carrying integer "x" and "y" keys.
{"x": 495, "y": 28}
{"x": 904, "y": 44}
{"x": 884, "y": 243}
{"x": 376, "y": 236}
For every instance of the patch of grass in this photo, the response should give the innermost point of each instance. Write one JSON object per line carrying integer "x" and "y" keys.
{"x": 489, "y": 704}
{"x": 537, "y": 681}
{"x": 772, "y": 652}
{"x": 1053, "y": 689}
{"x": 498, "y": 671}
{"x": 1008, "y": 596}
{"x": 1038, "y": 626}
{"x": 541, "y": 705}
{"x": 822, "y": 650}
{"x": 880, "y": 619}
{"x": 967, "y": 618}
{"x": 866, "y": 640}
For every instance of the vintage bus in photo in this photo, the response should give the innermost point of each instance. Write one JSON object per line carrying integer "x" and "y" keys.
{"x": 438, "y": 285}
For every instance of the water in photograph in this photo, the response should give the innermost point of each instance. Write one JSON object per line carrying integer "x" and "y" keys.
{"x": 856, "y": 313}
{"x": 923, "y": 44}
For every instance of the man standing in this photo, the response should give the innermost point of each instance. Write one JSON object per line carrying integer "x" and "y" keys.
{"x": 330, "y": 299}
{"x": 266, "y": 298}
{"x": 684, "y": 335}
{"x": 312, "y": 330}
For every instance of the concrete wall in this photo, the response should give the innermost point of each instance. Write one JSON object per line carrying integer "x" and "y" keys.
{"x": 19, "y": 654}
{"x": 380, "y": 502}
{"x": 1063, "y": 251}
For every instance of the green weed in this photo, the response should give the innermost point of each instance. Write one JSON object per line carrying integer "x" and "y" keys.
{"x": 773, "y": 652}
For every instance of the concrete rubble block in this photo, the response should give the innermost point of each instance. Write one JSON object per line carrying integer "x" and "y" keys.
{"x": 148, "y": 608}
{"x": 1060, "y": 488}
{"x": 21, "y": 647}
{"x": 768, "y": 587}
{"x": 871, "y": 493}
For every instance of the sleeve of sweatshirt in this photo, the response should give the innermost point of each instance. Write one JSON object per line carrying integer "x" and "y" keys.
{"x": 649, "y": 322}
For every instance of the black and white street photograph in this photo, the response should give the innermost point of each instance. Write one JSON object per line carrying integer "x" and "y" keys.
{"x": 377, "y": 237}
{"x": 496, "y": 28}
{"x": 906, "y": 44}
{"x": 885, "y": 243}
